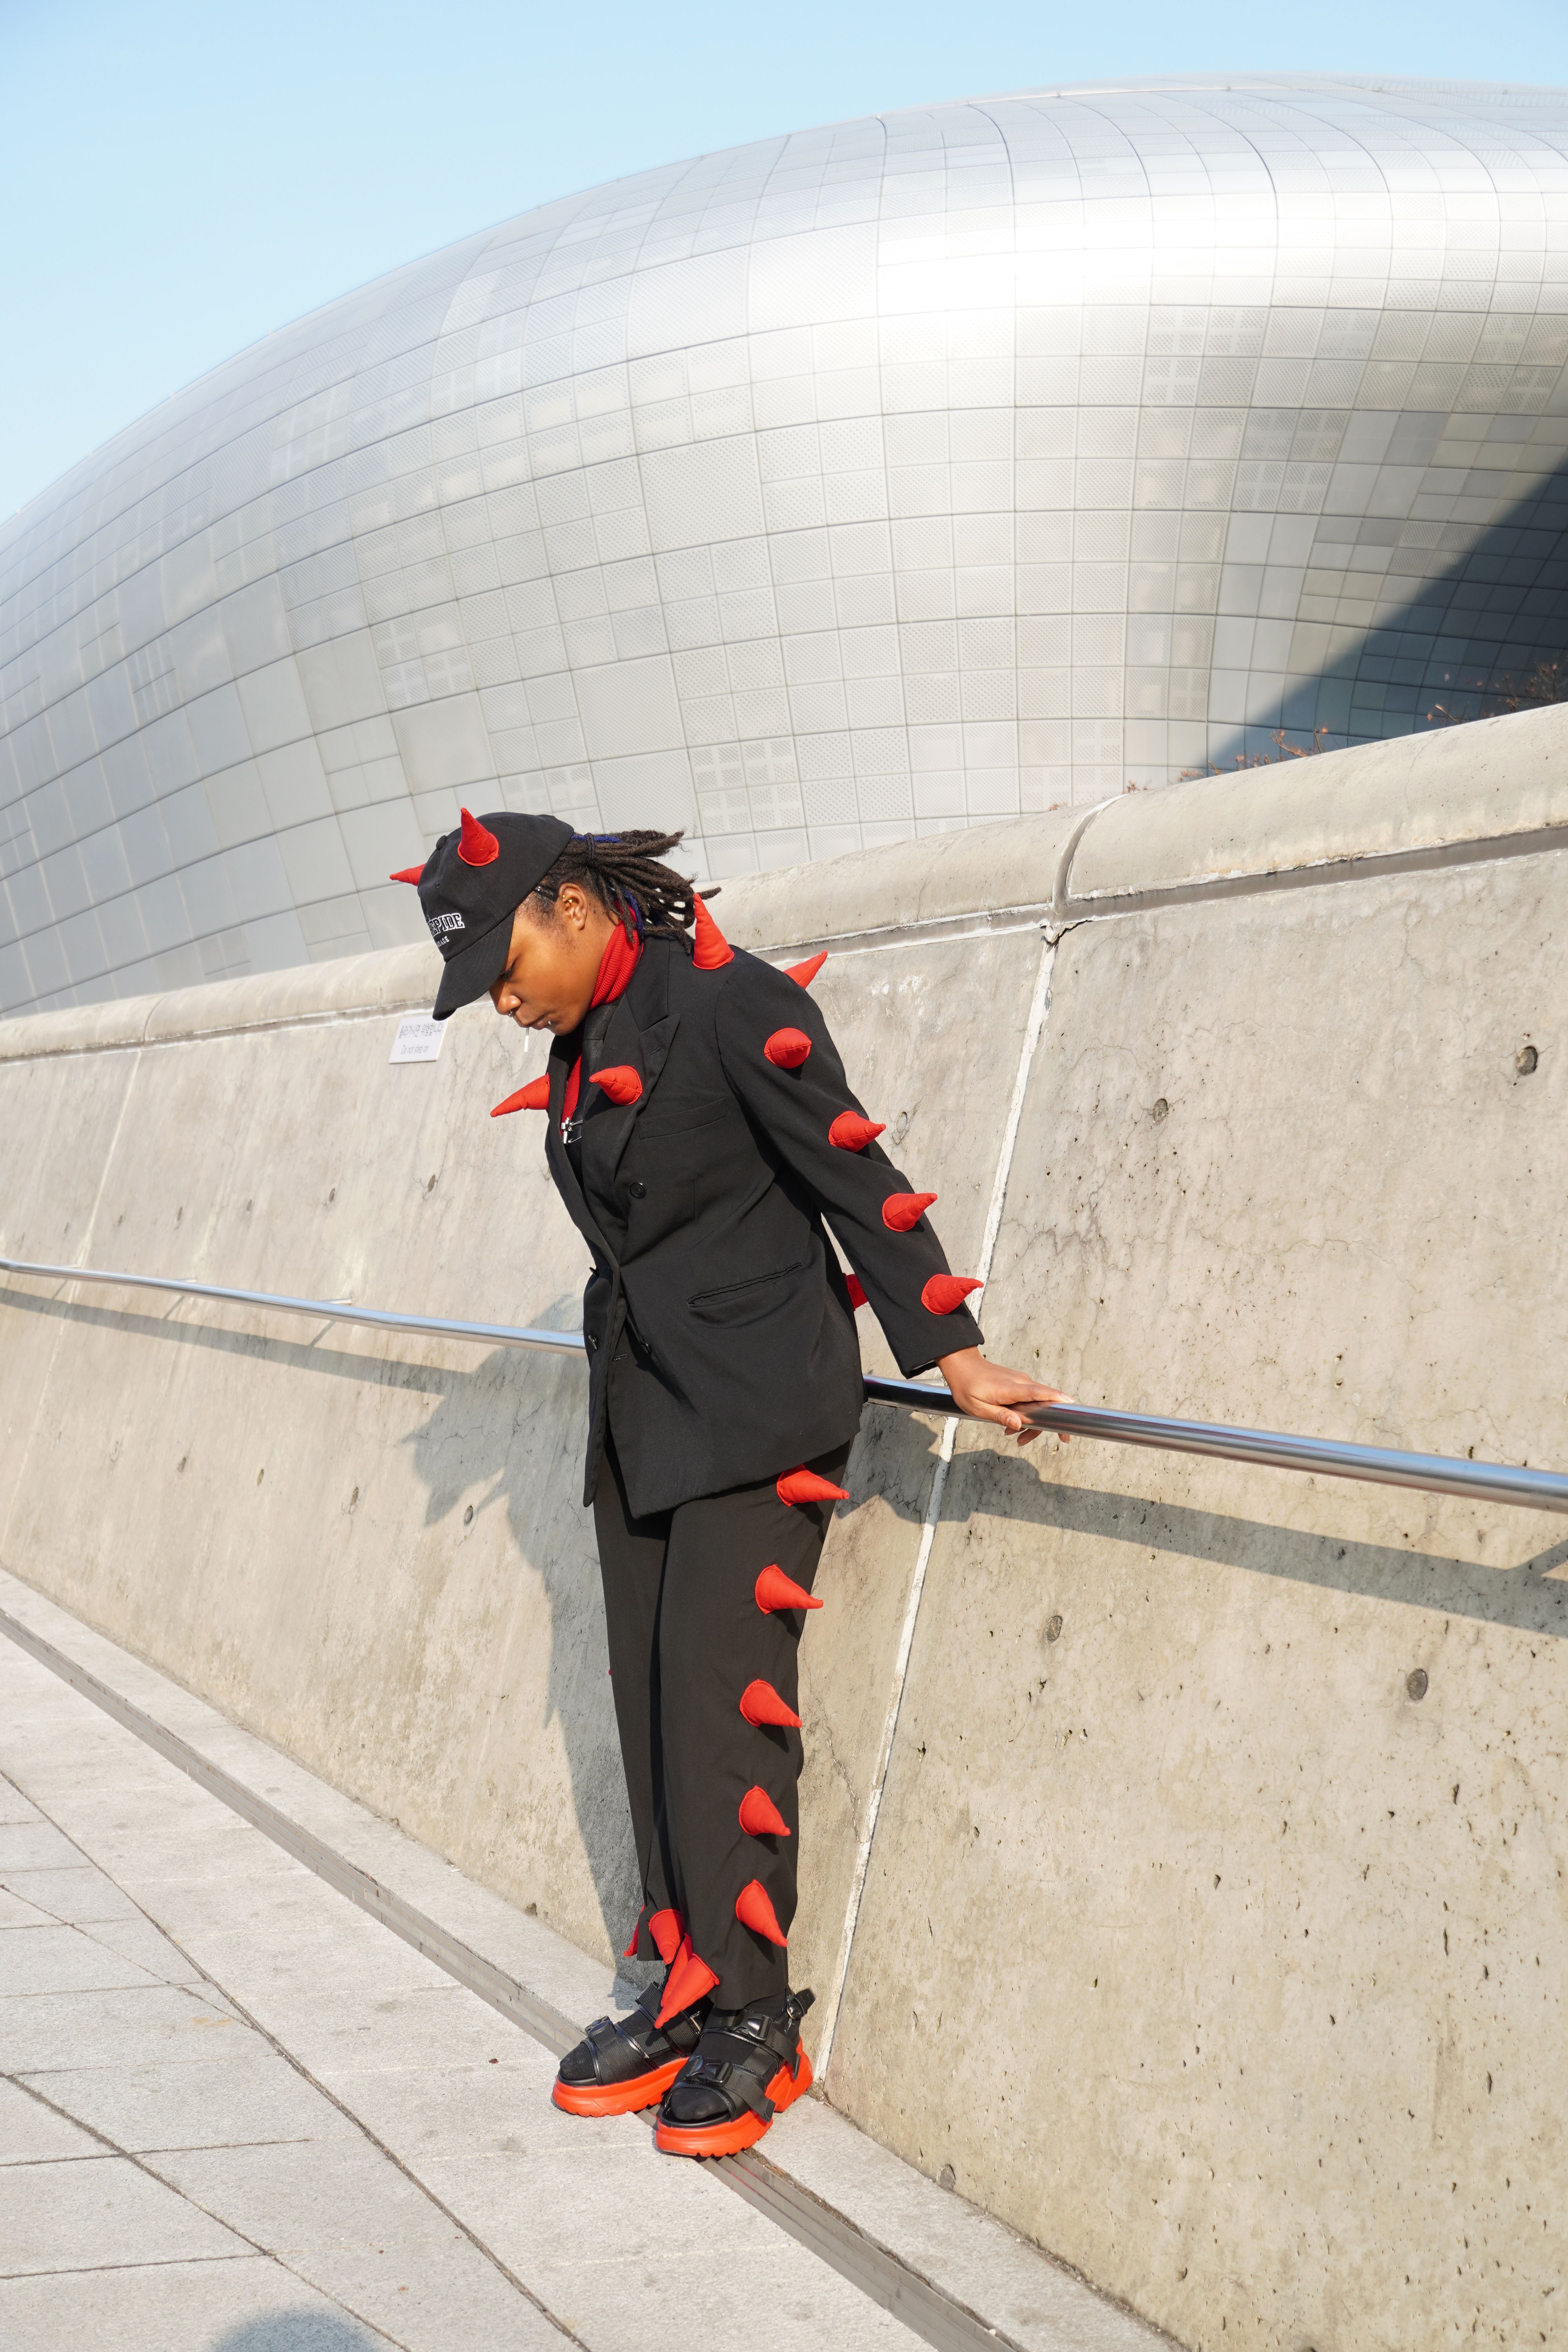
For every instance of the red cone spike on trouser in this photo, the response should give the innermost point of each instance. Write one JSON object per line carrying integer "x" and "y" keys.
{"x": 689, "y": 1978}
{"x": 759, "y": 1817}
{"x": 712, "y": 949}
{"x": 753, "y": 1910}
{"x": 535, "y": 1095}
{"x": 478, "y": 845}
{"x": 850, "y": 1133}
{"x": 786, "y": 1049}
{"x": 777, "y": 1590}
{"x": 943, "y": 1292}
{"x": 666, "y": 1928}
{"x": 804, "y": 1486}
{"x": 623, "y": 1085}
{"x": 631, "y": 1951}
{"x": 408, "y": 874}
{"x": 760, "y": 1703}
{"x": 901, "y": 1212}
{"x": 803, "y": 974}
{"x": 857, "y": 1291}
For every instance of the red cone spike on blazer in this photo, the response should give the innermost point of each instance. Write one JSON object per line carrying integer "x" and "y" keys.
{"x": 760, "y": 1703}
{"x": 943, "y": 1292}
{"x": 408, "y": 874}
{"x": 804, "y": 1486}
{"x": 803, "y": 974}
{"x": 665, "y": 1928}
{"x": 535, "y": 1095}
{"x": 712, "y": 949}
{"x": 786, "y": 1049}
{"x": 689, "y": 1978}
{"x": 623, "y": 1085}
{"x": 850, "y": 1133}
{"x": 759, "y": 1817}
{"x": 777, "y": 1590}
{"x": 857, "y": 1291}
{"x": 478, "y": 845}
{"x": 901, "y": 1212}
{"x": 753, "y": 1910}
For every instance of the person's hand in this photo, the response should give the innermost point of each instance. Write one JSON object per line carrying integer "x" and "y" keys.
{"x": 988, "y": 1392}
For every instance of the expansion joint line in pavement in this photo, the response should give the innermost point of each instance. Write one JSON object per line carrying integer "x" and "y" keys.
{"x": 939, "y": 2319}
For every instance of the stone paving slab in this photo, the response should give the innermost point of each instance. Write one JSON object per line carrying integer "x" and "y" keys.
{"x": 246, "y": 2304}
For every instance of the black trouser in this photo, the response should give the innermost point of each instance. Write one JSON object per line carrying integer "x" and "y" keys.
{"x": 686, "y": 1636}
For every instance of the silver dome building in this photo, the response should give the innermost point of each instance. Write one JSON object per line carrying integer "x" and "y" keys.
{"x": 872, "y": 481}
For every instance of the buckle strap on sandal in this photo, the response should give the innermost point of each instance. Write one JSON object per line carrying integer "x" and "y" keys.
{"x": 744, "y": 2079}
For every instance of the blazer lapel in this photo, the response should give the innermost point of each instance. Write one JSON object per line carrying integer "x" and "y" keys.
{"x": 559, "y": 1162}
{"x": 638, "y": 1037}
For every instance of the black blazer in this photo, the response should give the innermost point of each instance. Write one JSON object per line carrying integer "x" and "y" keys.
{"x": 720, "y": 1339}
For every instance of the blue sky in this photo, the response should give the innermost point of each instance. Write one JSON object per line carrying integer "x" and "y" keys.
{"x": 177, "y": 179}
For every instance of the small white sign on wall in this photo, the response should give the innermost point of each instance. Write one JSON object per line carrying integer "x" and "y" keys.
{"x": 418, "y": 1039}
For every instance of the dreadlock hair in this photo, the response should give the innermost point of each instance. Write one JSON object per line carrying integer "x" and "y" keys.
{"x": 622, "y": 872}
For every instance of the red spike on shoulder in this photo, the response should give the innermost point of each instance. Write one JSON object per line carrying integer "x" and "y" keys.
{"x": 753, "y": 1910}
{"x": 787, "y": 1048}
{"x": 476, "y": 845}
{"x": 857, "y": 1291}
{"x": 943, "y": 1292}
{"x": 621, "y": 1084}
{"x": 850, "y": 1133}
{"x": 759, "y": 1817}
{"x": 535, "y": 1095}
{"x": 804, "y": 1486}
{"x": 408, "y": 874}
{"x": 803, "y": 974}
{"x": 712, "y": 949}
{"x": 901, "y": 1212}
{"x": 760, "y": 1703}
{"x": 775, "y": 1589}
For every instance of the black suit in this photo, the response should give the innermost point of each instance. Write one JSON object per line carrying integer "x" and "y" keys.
{"x": 719, "y": 1332}
{"x": 721, "y": 1352}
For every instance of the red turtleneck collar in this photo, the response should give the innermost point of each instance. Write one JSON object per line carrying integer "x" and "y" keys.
{"x": 616, "y": 965}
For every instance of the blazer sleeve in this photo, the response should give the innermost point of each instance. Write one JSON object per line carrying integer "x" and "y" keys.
{"x": 794, "y": 1109}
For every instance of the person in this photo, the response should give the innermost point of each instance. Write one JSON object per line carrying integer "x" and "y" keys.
{"x": 701, "y": 1131}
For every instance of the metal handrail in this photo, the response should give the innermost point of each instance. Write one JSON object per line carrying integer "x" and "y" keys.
{"x": 1439, "y": 1474}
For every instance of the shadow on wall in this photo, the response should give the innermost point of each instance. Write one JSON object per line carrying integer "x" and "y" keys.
{"x": 1521, "y": 1593}
{"x": 1464, "y": 602}
{"x": 298, "y": 2331}
{"x": 513, "y": 1425}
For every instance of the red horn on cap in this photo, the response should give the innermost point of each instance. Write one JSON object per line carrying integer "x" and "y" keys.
{"x": 712, "y": 949}
{"x": 786, "y": 1049}
{"x": 850, "y": 1133}
{"x": 535, "y": 1095}
{"x": 408, "y": 874}
{"x": 759, "y": 1817}
{"x": 478, "y": 845}
{"x": 901, "y": 1212}
{"x": 943, "y": 1292}
{"x": 753, "y": 1910}
{"x": 803, "y": 974}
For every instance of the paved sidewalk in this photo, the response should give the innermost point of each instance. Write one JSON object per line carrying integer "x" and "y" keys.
{"x": 238, "y": 2114}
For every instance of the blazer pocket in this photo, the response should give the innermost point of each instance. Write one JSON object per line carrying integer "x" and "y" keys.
{"x": 659, "y": 1126}
{"x": 744, "y": 1302}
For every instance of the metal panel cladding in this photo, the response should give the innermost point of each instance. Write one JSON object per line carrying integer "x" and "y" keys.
{"x": 884, "y": 478}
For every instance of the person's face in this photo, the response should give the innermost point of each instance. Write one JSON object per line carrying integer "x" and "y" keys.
{"x": 554, "y": 961}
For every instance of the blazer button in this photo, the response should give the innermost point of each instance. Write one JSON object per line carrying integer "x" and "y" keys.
{"x": 637, "y": 1189}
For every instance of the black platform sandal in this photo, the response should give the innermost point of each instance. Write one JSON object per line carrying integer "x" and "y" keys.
{"x": 748, "y": 2066}
{"x": 624, "y": 2063}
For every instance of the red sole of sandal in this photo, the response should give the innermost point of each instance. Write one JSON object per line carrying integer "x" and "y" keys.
{"x": 618, "y": 2098}
{"x": 729, "y": 2138}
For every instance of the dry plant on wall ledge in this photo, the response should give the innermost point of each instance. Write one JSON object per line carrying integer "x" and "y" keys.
{"x": 1497, "y": 696}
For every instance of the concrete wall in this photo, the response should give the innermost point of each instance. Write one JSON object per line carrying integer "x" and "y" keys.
{"x": 1193, "y": 1942}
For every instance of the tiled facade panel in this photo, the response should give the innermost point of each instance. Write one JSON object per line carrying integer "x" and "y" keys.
{"x": 886, "y": 479}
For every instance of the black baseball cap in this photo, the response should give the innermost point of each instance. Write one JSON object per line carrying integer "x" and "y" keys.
{"x": 471, "y": 885}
